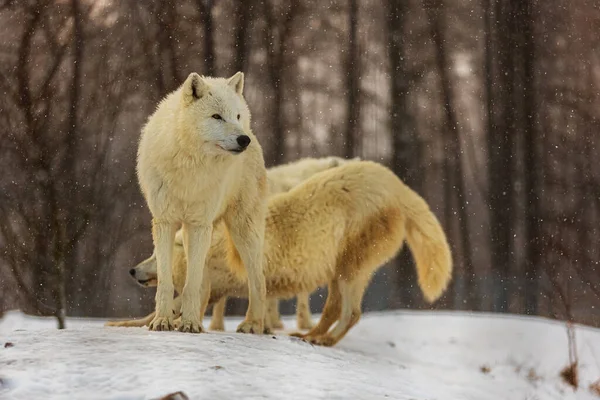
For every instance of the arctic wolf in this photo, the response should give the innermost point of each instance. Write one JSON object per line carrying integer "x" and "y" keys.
{"x": 280, "y": 179}
{"x": 199, "y": 164}
{"x": 336, "y": 228}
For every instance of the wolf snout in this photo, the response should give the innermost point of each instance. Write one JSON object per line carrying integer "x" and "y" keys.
{"x": 243, "y": 141}
{"x": 132, "y": 272}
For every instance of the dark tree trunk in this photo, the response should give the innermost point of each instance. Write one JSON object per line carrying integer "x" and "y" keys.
{"x": 499, "y": 80}
{"x": 524, "y": 25}
{"x": 241, "y": 43}
{"x": 278, "y": 149}
{"x": 166, "y": 20}
{"x": 435, "y": 13}
{"x": 405, "y": 141}
{"x": 205, "y": 8}
{"x": 277, "y": 35}
{"x": 352, "y": 82}
{"x": 66, "y": 196}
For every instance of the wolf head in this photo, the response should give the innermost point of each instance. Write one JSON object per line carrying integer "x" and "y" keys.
{"x": 145, "y": 272}
{"x": 213, "y": 111}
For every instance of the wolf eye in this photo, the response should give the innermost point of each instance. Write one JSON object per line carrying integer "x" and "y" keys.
{"x": 238, "y": 116}
{"x": 217, "y": 116}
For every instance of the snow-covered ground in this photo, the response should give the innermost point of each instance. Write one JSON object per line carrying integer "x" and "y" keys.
{"x": 393, "y": 355}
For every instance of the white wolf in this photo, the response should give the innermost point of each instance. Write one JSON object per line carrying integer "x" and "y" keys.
{"x": 199, "y": 163}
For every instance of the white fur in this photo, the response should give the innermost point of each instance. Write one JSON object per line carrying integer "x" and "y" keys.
{"x": 190, "y": 176}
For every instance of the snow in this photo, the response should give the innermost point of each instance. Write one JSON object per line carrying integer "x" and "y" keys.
{"x": 395, "y": 355}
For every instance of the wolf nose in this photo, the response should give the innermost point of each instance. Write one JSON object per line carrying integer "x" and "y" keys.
{"x": 132, "y": 272}
{"x": 243, "y": 141}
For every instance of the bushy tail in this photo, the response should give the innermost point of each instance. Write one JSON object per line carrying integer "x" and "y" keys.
{"x": 429, "y": 246}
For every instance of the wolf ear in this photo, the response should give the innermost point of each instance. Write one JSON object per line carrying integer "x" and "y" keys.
{"x": 237, "y": 82}
{"x": 194, "y": 88}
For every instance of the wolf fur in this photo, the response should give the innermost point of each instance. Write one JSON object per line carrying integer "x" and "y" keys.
{"x": 199, "y": 164}
{"x": 336, "y": 228}
{"x": 280, "y": 179}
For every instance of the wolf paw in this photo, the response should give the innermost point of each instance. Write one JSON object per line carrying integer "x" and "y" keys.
{"x": 267, "y": 331}
{"x": 250, "y": 327}
{"x": 190, "y": 326}
{"x": 218, "y": 326}
{"x": 277, "y": 324}
{"x": 162, "y": 324}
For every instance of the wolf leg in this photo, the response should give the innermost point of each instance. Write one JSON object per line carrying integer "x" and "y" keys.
{"x": 196, "y": 242}
{"x": 247, "y": 233}
{"x": 352, "y": 294}
{"x": 164, "y": 236}
{"x": 303, "y": 316}
{"x": 273, "y": 319}
{"x": 217, "y": 321}
{"x": 331, "y": 313}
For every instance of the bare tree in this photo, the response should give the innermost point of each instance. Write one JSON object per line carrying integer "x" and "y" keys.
{"x": 525, "y": 52}
{"x": 244, "y": 13}
{"x": 501, "y": 135}
{"x": 278, "y": 31}
{"x": 61, "y": 141}
{"x": 205, "y": 8}
{"x": 406, "y": 145}
{"x": 352, "y": 74}
{"x": 454, "y": 180}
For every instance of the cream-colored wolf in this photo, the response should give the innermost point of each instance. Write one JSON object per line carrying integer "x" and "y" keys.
{"x": 199, "y": 164}
{"x": 280, "y": 178}
{"x": 336, "y": 228}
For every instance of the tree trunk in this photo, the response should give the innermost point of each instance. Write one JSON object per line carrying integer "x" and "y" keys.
{"x": 277, "y": 34}
{"x": 244, "y": 18}
{"x": 405, "y": 141}
{"x": 68, "y": 192}
{"x": 278, "y": 149}
{"x": 206, "y": 7}
{"x": 352, "y": 83}
{"x": 435, "y": 12}
{"x": 500, "y": 139}
{"x": 524, "y": 25}
{"x": 166, "y": 20}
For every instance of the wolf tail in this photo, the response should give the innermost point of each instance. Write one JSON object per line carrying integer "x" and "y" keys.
{"x": 428, "y": 244}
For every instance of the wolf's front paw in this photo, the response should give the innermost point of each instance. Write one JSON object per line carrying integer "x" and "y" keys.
{"x": 162, "y": 324}
{"x": 256, "y": 327}
{"x": 267, "y": 331}
{"x": 190, "y": 326}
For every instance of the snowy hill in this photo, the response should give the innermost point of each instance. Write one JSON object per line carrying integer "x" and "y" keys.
{"x": 394, "y": 355}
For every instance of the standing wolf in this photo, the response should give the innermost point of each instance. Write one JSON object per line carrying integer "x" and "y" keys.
{"x": 199, "y": 163}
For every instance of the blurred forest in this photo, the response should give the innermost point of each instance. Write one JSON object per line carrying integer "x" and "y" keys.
{"x": 488, "y": 108}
